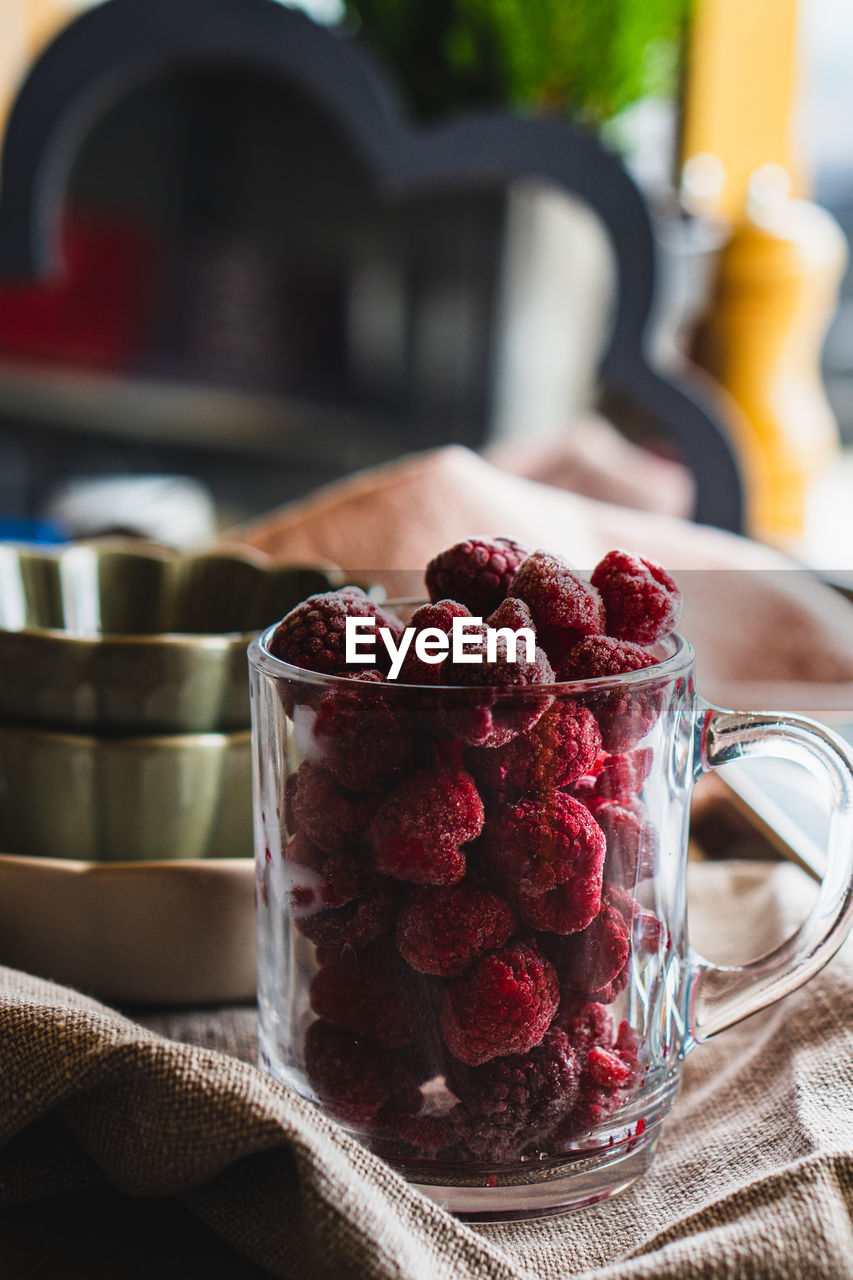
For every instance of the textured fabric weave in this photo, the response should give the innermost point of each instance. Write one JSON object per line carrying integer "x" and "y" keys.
{"x": 753, "y": 1177}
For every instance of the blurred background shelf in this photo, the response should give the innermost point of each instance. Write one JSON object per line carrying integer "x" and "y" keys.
{"x": 251, "y": 451}
{"x": 181, "y": 413}
{"x": 232, "y": 288}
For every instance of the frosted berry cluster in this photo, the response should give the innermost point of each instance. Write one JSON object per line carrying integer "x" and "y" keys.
{"x": 465, "y": 847}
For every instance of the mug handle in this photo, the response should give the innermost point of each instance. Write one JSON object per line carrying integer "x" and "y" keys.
{"x": 721, "y": 995}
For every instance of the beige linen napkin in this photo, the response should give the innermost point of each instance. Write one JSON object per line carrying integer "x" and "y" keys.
{"x": 595, "y": 459}
{"x": 754, "y": 1175}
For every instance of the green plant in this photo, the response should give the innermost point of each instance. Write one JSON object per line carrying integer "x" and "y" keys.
{"x": 590, "y": 58}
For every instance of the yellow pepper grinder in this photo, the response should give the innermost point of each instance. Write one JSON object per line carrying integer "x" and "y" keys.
{"x": 773, "y": 300}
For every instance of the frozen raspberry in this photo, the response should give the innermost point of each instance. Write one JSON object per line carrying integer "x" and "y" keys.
{"x": 384, "y": 617}
{"x": 632, "y": 1049}
{"x": 331, "y": 817}
{"x": 621, "y": 776}
{"x": 514, "y": 1102}
{"x": 561, "y": 746}
{"x": 291, "y": 786}
{"x": 446, "y": 753}
{"x": 565, "y": 606}
{"x": 370, "y": 992}
{"x": 565, "y": 909}
{"x": 347, "y": 1074}
{"x": 512, "y": 613}
{"x": 586, "y": 1024}
{"x": 443, "y": 1135}
{"x": 486, "y": 719}
{"x": 339, "y": 879}
{"x": 303, "y": 853}
{"x": 355, "y": 920}
{"x": 443, "y": 930}
{"x": 313, "y": 634}
{"x": 608, "y": 1076}
{"x": 594, "y": 1106}
{"x": 589, "y": 1028}
{"x": 631, "y": 841}
{"x": 438, "y": 616}
{"x": 651, "y": 932}
{"x": 626, "y": 713}
{"x": 361, "y": 737}
{"x": 419, "y": 831}
{"x": 476, "y": 572}
{"x": 611, "y": 1066}
{"x": 599, "y": 656}
{"x": 316, "y": 881}
{"x": 354, "y": 1078}
{"x": 594, "y": 962}
{"x": 502, "y": 1005}
{"x": 642, "y": 602}
{"x": 607, "y": 1068}
{"x": 547, "y": 854}
{"x": 615, "y": 987}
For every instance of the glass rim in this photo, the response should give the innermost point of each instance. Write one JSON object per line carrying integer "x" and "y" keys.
{"x": 668, "y": 669}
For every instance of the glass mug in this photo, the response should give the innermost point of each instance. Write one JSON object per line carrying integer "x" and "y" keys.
{"x": 472, "y": 944}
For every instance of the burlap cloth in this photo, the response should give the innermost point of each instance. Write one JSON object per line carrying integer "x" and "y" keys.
{"x": 754, "y": 1174}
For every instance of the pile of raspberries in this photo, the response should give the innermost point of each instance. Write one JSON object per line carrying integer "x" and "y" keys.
{"x": 463, "y": 848}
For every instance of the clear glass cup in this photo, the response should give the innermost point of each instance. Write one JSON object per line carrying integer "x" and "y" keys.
{"x": 472, "y": 936}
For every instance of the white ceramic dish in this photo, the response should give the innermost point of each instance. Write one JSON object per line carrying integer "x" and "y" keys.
{"x": 164, "y": 933}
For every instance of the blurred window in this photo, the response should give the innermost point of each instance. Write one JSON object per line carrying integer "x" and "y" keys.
{"x": 826, "y": 142}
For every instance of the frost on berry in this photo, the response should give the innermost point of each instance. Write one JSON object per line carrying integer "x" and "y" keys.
{"x": 439, "y": 617}
{"x": 351, "y": 908}
{"x": 497, "y": 708}
{"x": 586, "y": 1023}
{"x": 330, "y": 816}
{"x": 631, "y": 841}
{"x": 338, "y": 878}
{"x": 632, "y": 1049}
{"x": 361, "y": 734}
{"x": 370, "y": 992}
{"x": 559, "y": 748}
{"x": 513, "y": 1102}
{"x": 565, "y": 605}
{"x": 547, "y": 854}
{"x": 568, "y": 907}
{"x": 354, "y": 1079}
{"x": 503, "y": 1004}
{"x": 300, "y": 851}
{"x": 475, "y": 572}
{"x": 420, "y": 829}
{"x": 611, "y": 1065}
{"x": 627, "y": 712}
{"x": 599, "y": 656}
{"x": 313, "y": 635}
{"x": 511, "y": 613}
{"x": 607, "y": 1069}
{"x": 622, "y": 775}
{"x": 642, "y": 602}
{"x": 444, "y": 929}
{"x": 594, "y": 963}
{"x": 441, "y": 1135}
